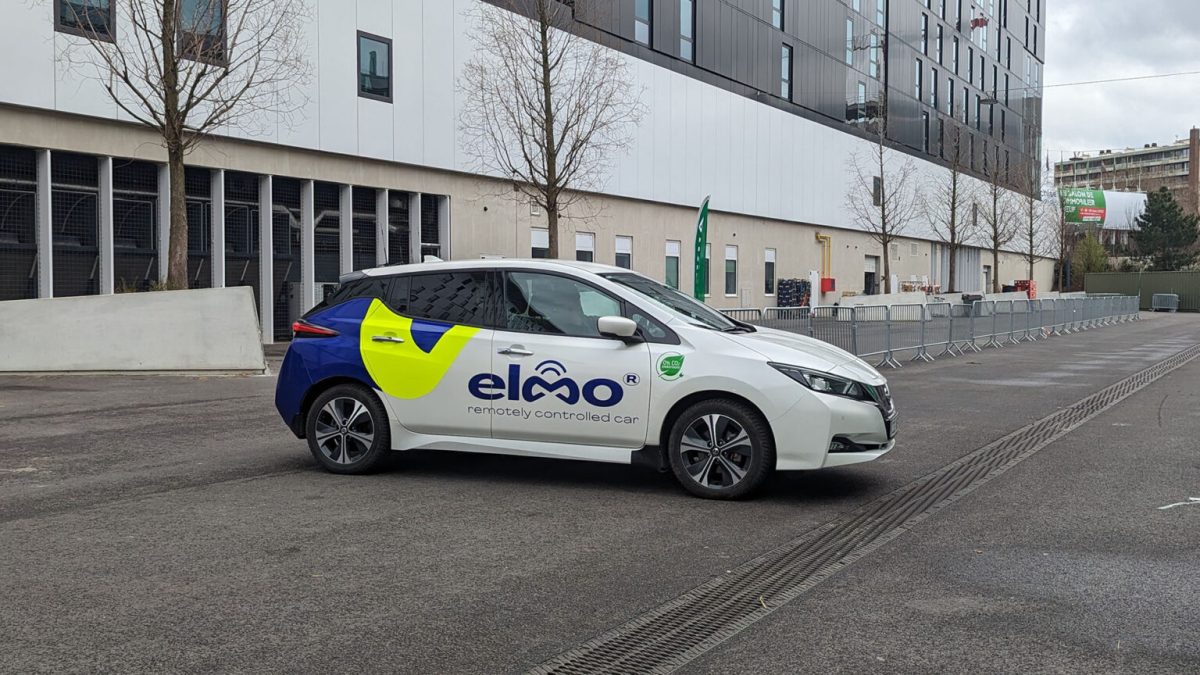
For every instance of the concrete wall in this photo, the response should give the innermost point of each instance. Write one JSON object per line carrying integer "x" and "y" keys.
{"x": 210, "y": 330}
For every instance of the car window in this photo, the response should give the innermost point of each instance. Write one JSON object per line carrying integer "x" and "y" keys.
{"x": 547, "y": 303}
{"x": 453, "y": 297}
{"x": 369, "y": 287}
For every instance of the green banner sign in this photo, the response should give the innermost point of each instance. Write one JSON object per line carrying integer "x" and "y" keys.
{"x": 1082, "y": 205}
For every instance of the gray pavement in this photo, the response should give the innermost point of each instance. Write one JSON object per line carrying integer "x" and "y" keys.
{"x": 155, "y": 524}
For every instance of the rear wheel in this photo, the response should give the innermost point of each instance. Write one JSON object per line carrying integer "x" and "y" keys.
{"x": 347, "y": 430}
{"x": 721, "y": 449}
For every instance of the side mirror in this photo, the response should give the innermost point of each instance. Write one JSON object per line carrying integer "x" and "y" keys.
{"x": 618, "y": 327}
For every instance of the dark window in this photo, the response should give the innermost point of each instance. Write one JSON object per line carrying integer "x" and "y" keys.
{"x": 374, "y": 67}
{"x": 546, "y": 303}
{"x": 769, "y": 272}
{"x": 453, "y": 297}
{"x": 919, "y": 75}
{"x": 785, "y": 72}
{"x": 641, "y": 21}
{"x": 687, "y": 30}
{"x": 925, "y": 34}
{"x": 371, "y": 287}
{"x": 925, "y": 131}
{"x": 202, "y": 30}
{"x": 87, "y": 18}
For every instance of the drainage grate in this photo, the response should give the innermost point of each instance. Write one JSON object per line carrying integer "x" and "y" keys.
{"x": 669, "y": 636}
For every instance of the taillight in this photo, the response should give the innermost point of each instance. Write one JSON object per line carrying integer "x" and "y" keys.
{"x": 304, "y": 329}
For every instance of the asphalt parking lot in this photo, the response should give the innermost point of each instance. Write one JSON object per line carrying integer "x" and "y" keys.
{"x": 164, "y": 524}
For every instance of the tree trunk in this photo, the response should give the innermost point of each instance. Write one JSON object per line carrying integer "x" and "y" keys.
{"x": 996, "y": 269}
{"x": 952, "y": 252}
{"x": 887, "y": 271}
{"x": 552, "y": 229}
{"x": 177, "y": 253}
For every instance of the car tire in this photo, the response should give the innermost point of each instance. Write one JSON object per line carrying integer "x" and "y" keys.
{"x": 347, "y": 430}
{"x": 742, "y": 459}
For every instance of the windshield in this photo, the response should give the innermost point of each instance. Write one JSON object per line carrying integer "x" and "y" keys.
{"x": 677, "y": 303}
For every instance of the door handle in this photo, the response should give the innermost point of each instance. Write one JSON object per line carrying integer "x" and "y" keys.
{"x": 515, "y": 351}
{"x": 386, "y": 338}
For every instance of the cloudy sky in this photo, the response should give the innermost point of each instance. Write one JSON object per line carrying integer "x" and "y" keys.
{"x": 1104, "y": 39}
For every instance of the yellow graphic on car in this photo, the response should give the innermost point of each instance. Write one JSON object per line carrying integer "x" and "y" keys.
{"x": 412, "y": 365}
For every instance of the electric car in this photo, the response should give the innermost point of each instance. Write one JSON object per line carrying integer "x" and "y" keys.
{"x": 571, "y": 360}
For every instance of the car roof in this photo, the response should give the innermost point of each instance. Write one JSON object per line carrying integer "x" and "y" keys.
{"x": 484, "y": 263}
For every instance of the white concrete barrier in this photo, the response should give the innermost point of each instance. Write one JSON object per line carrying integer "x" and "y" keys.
{"x": 202, "y": 330}
{"x": 889, "y": 299}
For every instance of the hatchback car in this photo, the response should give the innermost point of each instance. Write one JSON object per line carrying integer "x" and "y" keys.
{"x": 571, "y": 360}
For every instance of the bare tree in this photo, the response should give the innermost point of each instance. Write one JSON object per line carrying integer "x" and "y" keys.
{"x": 945, "y": 200}
{"x": 544, "y": 106}
{"x": 1062, "y": 235}
{"x": 1032, "y": 222}
{"x": 187, "y": 68}
{"x": 881, "y": 196}
{"x": 999, "y": 223}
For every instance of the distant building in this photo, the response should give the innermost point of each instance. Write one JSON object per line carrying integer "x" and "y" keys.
{"x": 1144, "y": 169}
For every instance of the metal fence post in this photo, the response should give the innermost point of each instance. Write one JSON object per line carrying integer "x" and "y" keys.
{"x": 853, "y": 332}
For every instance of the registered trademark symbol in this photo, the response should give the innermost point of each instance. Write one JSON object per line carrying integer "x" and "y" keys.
{"x": 632, "y": 378}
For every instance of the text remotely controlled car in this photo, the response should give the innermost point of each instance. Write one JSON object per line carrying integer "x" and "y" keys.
{"x": 571, "y": 360}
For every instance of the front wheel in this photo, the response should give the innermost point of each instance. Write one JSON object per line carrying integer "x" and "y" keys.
{"x": 347, "y": 430}
{"x": 721, "y": 449}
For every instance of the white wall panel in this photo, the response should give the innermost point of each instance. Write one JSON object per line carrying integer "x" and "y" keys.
{"x": 695, "y": 139}
{"x": 337, "y": 59}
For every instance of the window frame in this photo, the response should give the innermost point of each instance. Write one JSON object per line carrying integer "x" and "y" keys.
{"x": 778, "y": 13}
{"x": 786, "y": 58}
{"x": 648, "y": 22}
{"x": 690, "y": 37}
{"x": 769, "y": 279}
{"x": 618, "y": 252}
{"x": 667, "y": 257}
{"x": 725, "y": 271}
{"x": 358, "y": 38}
{"x": 533, "y": 233}
{"x": 182, "y": 38}
{"x": 110, "y": 36}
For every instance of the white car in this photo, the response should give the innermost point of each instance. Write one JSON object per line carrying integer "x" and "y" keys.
{"x": 573, "y": 360}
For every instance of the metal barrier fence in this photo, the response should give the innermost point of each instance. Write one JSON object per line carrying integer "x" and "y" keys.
{"x": 882, "y": 332}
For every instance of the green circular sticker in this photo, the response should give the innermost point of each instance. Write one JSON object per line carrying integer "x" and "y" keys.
{"x": 670, "y": 365}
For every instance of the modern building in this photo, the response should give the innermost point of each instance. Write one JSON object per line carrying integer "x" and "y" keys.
{"x": 1144, "y": 169}
{"x": 756, "y": 103}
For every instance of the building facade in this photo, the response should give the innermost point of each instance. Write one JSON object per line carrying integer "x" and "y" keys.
{"x": 756, "y": 103}
{"x": 1144, "y": 169}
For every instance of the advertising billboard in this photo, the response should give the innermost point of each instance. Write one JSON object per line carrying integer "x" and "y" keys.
{"x": 1081, "y": 205}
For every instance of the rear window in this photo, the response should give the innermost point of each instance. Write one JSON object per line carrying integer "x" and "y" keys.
{"x": 369, "y": 287}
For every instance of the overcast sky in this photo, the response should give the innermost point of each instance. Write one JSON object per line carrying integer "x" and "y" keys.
{"x": 1102, "y": 39}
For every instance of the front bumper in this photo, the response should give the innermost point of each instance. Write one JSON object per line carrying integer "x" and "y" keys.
{"x": 804, "y": 433}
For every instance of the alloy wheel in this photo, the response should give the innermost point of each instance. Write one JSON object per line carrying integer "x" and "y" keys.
{"x": 716, "y": 451}
{"x": 345, "y": 430}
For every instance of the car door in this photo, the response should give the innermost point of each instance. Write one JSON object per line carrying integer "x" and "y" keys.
{"x": 423, "y": 346}
{"x": 555, "y": 378}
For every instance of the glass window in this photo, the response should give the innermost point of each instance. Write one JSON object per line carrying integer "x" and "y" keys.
{"x": 624, "y": 252}
{"x": 547, "y": 303}
{"x": 849, "y": 42}
{"x": 687, "y": 30}
{"x": 785, "y": 72}
{"x": 873, "y": 54}
{"x": 933, "y": 88}
{"x": 777, "y": 13}
{"x": 641, "y": 21}
{"x": 857, "y": 4}
{"x": 730, "y": 270}
{"x": 950, "y": 96}
{"x": 769, "y": 272}
{"x": 920, "y": 73}
{"x": 954, "y": 55}
{"x": 672, "y": 275}
{"x": 453, "y": 297}
{"x": 881, "y": 12}
{"x": 202, "y": 30}
{"x": 374, "y": 67}
{"x": 585, "y": 246}
{"x": 939, "y": 43}
{"x": 88, "y": 18}
{"x": 540, "y": 242}
{"x": 924, "y": 33}
{"x": 925, "y": 131}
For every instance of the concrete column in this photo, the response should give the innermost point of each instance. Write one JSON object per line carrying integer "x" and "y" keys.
{"x": 444, "y": 226}
{"x": 381, "y": 226}
{"x": 105, "y": 239}
{"x": 266, "y": 259}
{"x": 345, "y": 229}
{"x": 308, "y": 264}
{"x": 216, "y": 220}
{"x": 414, "y": 227}
{"x": 45, "y": 230}
{"x": 164, "y": 221}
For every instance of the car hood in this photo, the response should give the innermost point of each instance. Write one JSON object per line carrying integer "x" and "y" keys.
{"x": 800, "y": 350}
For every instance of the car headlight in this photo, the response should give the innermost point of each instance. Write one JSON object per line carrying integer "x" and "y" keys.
{"x": 824, "y": 382}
